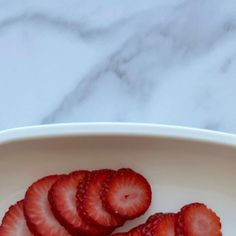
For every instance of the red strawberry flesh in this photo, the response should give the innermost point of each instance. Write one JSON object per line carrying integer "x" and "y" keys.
{"x": 37, "y": 209}
{"x": 128, "y": 194}
{"x": 92, "y": 204}
{"x": 120, "y": 234}
{"x": 137, "y": 231}
{"x": 162, "y": 225}
{"x": 197, "y": 220}
{"x": 13, "y": 223}
{"x": 62, "y": 198}
{"x": 154, "y": 217}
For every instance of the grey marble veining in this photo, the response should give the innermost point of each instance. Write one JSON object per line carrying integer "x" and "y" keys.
{"x": 170, "y": 62}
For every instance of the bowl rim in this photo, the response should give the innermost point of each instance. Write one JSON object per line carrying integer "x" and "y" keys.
{"x": 116, "y": 129}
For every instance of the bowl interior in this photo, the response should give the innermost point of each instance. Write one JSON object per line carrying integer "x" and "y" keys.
{"x": 180, "y": 171}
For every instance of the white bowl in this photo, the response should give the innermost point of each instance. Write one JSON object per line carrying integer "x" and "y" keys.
{"x": 183, "y": 165}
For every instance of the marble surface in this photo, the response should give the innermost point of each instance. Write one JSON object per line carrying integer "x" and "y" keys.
{"x": 167, "y": 61}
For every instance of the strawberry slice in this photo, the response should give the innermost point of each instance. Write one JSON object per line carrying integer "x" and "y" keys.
{"x": 120, "y": 234}
{"x": 163, "y": 225}
{"x": 92, "y": 205}
{"x": 13, "y": 223}
{"x": 154, "y": 217}
{"x": 196, "y": 219}
{"x": 128, "y": 194}
{"x": 62, "y": 197}
{"x": 137, "y": 231}
{"x": 37, "y": 210}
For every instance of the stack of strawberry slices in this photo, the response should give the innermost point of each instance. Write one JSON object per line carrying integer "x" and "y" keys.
{"x": 82, "y": 203}
{"x": 95, "y": 203}
{"x": 194, "y": 219}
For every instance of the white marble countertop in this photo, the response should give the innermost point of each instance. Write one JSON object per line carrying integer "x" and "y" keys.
{"x": 167, "y": 61}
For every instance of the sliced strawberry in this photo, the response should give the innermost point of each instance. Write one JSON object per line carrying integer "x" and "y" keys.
{"x": 179, "y": 225}
{"x": 137, "y": 231}
{"x": 37, "y": 210}
{"x": 120, "y": 234}
{"x": 154, "y": 217}
{"x": 92, "y": 205}
{"x": 13, "y": 223}
{"x": 163, "y": 225}
{"x": 128, "y": 194}
{"x": 62, "y": 197}
{"x": 196, "y": 219}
